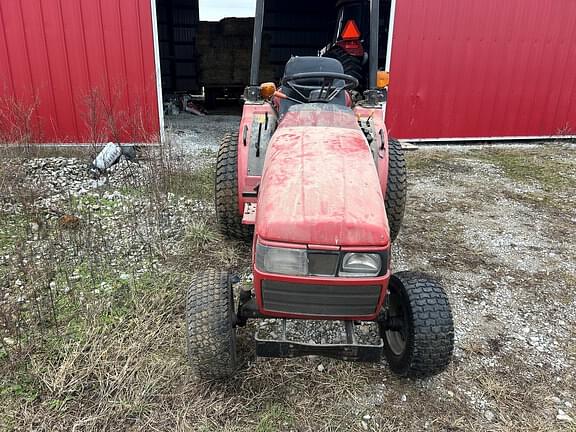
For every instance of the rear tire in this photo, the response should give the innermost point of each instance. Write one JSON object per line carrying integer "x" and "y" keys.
{"x": 352, "y": 65}
{"x": 421, "y": 341}
{"x": 397, "y": 187}
{"x": 227, "y": 206}
{"x": 210, "y": 318}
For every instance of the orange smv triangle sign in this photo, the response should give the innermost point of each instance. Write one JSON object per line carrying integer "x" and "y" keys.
{"x": 351, "y": 31}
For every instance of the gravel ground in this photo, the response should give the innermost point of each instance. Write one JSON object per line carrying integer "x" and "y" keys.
{"x": 192, "y": 134}
{"x": 494, "y": 224}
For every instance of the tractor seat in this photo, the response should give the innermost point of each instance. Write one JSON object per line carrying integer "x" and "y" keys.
{"x": 298, "y": 65}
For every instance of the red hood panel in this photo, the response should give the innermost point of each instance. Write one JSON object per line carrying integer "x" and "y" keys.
{"x": 320, "y": 186}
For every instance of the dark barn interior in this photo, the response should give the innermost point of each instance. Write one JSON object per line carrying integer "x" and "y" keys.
{"x": 215, "y": 56}
{"x": 177, "y": 30}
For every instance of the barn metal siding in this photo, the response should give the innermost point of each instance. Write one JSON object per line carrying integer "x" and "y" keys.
{"x": 88, "y": 65}
{"x": 465, "y": 69}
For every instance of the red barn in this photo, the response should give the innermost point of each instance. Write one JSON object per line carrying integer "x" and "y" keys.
{"x": 464, "y": 69}
{"x": 81, "y": 71}
{"x": 93, "y": 70}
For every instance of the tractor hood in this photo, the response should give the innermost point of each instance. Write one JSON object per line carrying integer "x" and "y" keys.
{"x": 320, "y": 185}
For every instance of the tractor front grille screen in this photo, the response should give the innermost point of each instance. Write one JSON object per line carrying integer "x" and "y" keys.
{"x": 323, "y": 264}
{"x": 320, "y": 300}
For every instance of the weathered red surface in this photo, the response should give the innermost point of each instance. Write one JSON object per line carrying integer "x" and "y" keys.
{"x": 83, "y": 63}
{"x": 492, "y": 68}
{"x": 320, "y": 184}
{"x": 249, "y": 184}
{"x": 379, "y": 126}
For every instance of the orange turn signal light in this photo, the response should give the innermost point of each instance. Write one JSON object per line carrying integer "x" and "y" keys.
{"x": 383, "y": 79}
{"x": 267, "y": 90}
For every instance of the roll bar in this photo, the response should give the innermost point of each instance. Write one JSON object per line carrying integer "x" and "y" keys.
{"x": 257, "y": 43}
{"x": 374, "y": 49}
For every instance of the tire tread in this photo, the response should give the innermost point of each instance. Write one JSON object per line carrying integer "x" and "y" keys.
{"x": 210, "y": 334}
{"x": 432, "y": 340}
{"x": 397, "y": 187}
{"x": 226, "y": 192}
{"x": 352, "y": 65}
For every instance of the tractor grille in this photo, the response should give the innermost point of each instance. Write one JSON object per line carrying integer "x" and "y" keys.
{"x": 320, "y": 300}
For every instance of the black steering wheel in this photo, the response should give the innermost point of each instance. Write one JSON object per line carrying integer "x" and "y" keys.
{"x": 332, "y": 84}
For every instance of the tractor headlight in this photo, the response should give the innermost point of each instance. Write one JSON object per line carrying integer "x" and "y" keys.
{"x": 360, "y": 265}
{"x": 292, "y": 262}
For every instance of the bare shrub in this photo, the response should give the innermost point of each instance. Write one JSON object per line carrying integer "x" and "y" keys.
{"x": 567, "y": 133}
{"x": 108, "y": 120}
{"x": 19, "y": 124}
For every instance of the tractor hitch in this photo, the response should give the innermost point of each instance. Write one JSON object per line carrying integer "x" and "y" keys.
{"x": 290, "y": 349}
{"x": 283, "y": 347}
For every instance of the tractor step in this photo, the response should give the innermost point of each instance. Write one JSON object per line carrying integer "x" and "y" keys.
{"x": 249, "y": 217}
{"x": 350, "y": 349}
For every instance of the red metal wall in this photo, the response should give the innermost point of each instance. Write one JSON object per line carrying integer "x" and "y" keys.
{"x": 490, "y": 68}
{"x": 88, "y": 66}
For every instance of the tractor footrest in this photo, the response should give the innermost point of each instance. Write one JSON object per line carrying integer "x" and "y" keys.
{"x": 290, "y": 349}
{"x": 249, "y": 217}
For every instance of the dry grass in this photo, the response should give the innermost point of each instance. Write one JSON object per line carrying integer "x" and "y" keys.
{"x": 90, "y": 338}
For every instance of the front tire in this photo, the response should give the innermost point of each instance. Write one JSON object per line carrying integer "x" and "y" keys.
{"x": 210, "y": 319}
{"x": 417, "y": 327}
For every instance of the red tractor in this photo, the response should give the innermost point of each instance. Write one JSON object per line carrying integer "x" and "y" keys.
{"x": 312, "y": 180}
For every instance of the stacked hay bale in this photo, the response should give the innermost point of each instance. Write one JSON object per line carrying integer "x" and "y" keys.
{"x": 225, "y": 50}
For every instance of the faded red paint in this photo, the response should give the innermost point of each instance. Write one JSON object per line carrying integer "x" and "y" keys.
{"x": 379, "y": 127}
{"x": 320, "y": 189}
{"x": 249, "y": 184}
{"x": 492, "y": 68}
{"x": 62, "y": 54}
{"x": 320, "y": 184}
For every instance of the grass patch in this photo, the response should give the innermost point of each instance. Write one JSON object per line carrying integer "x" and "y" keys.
{"x": 203, "y": 244}
{"x": 12, "y": 229}
{"x": 200, "y": 234}
{"x": 532, "y": 166}
{"x": 94, "y": 205}
{"x": 104, "y": 352}
{"x": 196, "y": 184}
{"x": 275, "y": 418}
{"x": 22, "y": 389}
{"x": 427, "y": 161}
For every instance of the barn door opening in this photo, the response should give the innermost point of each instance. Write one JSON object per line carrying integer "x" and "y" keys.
{"x": 208, "y": 62}
{"x": 177, "y": 27}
